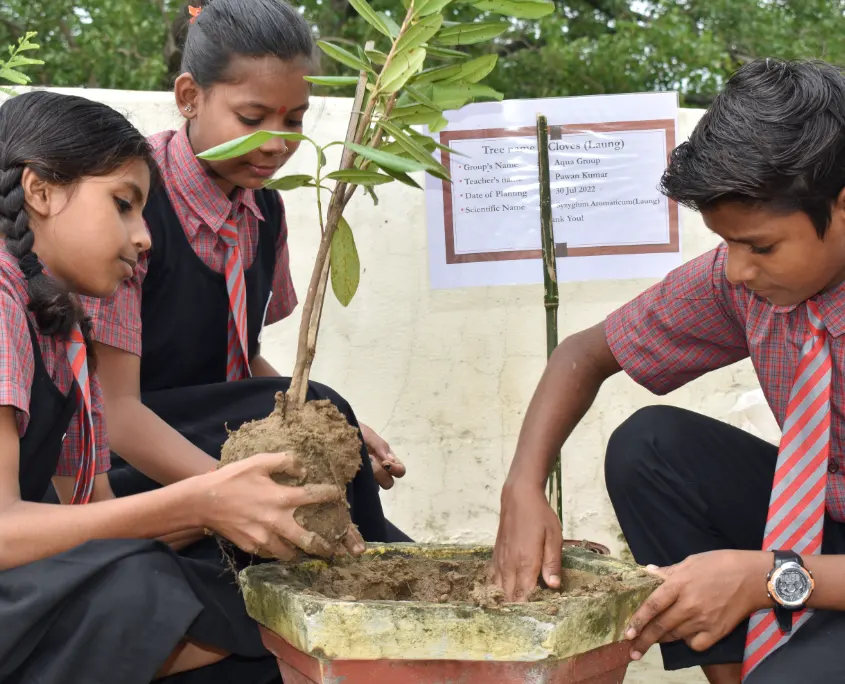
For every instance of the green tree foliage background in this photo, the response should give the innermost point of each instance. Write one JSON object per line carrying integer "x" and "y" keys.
{"x": 586, "y": 47}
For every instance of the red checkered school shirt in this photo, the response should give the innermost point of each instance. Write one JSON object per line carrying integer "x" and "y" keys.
{"x": 17, "y": 370}
{"x": 695, "y": 321}
{"x": 202, "y": 209}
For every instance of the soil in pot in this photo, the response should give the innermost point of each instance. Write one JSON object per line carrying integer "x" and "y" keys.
{"x": 435, "y": 581}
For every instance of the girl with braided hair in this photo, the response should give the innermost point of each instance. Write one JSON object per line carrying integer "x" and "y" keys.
{"x": 98, "y": 591}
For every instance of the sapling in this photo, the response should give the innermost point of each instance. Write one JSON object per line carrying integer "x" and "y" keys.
{"x": 397, "y": 90}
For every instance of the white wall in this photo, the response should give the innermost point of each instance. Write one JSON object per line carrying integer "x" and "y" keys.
{"x": 446, "y": 376}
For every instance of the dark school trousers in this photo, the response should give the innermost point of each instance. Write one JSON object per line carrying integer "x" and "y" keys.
{"x": 682, "y": 483}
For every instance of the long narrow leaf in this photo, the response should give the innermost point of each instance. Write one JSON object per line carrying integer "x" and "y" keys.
{"x": 338, "y": 54}
{"x": 247, "y": 143}
{"x": 517, "y": 9}
{"x": 370, "y": 16}
{"x": 420, "y": 33}
{"x": 386, "y": 160}
{"x": 469, "y": 34}
{"x": 332, "y": 81}
{"x": 401, "y": 68}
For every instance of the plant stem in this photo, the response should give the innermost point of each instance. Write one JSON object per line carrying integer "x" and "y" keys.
{"x": 550, "y": 285}
{"x": 312, "y": 309}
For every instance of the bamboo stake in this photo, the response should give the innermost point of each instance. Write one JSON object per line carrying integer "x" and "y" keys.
{"x": 550, "y": 284}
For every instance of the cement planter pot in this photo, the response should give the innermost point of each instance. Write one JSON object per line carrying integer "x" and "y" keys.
{"x": 321, "y": 640}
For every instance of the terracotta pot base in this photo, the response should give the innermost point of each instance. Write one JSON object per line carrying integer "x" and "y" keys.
{"x": 605, "y": 665}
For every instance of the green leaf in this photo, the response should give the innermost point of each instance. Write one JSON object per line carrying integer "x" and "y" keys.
{"x": 387, "y": 161}
{"x": 344, "y": 263}
{"x": 468, "y": 34}
{"x": 338, "y": 54}
{"x": 403, "y": 178}
{"x": 370, "y": 16}
{"x": 415, "y": 150}
{"x": 401, "y": 68}
{"x": 472, "y": 71}
{"x": 359, "y": 177}
{"x": 289, "y": 182}
{"x": 17, "y": 60}
{"x": 456, "y": 95}
{"x": 517, "y": 9}
{"x": 332, "y": 81}
{"x": 392, "y": 26}
{"x": 376, "y": 56}
{"x": 14, "y": 76}
{"x": 421, "y": 97}
{"x": 439, "y": 125}
{"x": 423, "y": 8}
{"x": 445, "y": 53}
{"x": 246, "y": 143}
{"x": 436, "y": 145}
{"x": 421, "y": 32}
{"x": 415, "y": 114}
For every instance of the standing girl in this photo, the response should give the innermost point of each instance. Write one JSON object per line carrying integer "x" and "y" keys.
{"x": 95, "y": 593}
{"x": 178, "y": 366}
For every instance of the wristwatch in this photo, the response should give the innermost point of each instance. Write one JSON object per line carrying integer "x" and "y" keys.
{"x": 790, "y": 585}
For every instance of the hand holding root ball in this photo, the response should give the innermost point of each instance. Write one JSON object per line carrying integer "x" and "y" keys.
{"x": 243, "y": 503}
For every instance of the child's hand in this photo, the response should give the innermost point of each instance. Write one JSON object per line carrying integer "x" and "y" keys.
{"x": 242, "y": 503}
{"x": 385, "y": 464}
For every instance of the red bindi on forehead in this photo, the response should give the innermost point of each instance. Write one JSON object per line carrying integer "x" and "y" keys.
{"x": 282, "y": 110}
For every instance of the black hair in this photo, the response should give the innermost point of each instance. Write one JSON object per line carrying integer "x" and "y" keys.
{"x": 774, "y": 138}
{"x": 250, "y": 28}
{"x": 62, "y": 139}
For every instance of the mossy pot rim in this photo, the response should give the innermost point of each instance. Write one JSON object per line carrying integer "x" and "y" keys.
{"x": 409, "y": 630}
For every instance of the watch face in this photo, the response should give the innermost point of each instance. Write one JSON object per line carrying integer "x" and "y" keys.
{"x": 791, "y": 584}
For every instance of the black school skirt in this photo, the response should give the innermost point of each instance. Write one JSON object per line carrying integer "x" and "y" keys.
{"x": 112, "y": 611}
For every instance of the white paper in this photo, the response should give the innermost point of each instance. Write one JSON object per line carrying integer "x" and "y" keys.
{"x": 484, "y": 227}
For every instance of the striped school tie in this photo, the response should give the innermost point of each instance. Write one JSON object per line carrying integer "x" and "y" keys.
{"x": 237, "y": 355}
{"x": 77, "y": 354}
{"x": 796, "y": 507}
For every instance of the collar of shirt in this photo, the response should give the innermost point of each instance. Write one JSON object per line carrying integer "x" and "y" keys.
{"x": 185, "y": 175}
{"x": 831, "y": 306}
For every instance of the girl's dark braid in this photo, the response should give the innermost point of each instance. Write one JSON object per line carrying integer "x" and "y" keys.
{"x": 56, "y": 310}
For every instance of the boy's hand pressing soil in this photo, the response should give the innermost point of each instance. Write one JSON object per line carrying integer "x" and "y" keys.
{"x": 529, "y": 541}
{"x": 241, "y": 503}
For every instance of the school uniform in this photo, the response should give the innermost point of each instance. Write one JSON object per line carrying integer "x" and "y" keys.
{"x": 108, "y": 610}
{"x": 180, "y": 314}
{"x": 682, "y": 483}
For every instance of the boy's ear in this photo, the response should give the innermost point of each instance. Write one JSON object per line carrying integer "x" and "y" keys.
{"x": 187, "y": 95}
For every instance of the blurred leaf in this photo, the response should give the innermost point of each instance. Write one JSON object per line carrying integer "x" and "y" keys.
{"x": 426, "y": 7}
{"x": 468, "y": 34}
{"x": 420, "y": 32}
{"x": 247, "y": 143}
{"x": 401, "y": 68}
{"x": 338, "y": 54}
{"x": 289, "y": 182}
{"x": 456, "y": 95}
{"x": 14, "y": 76}
{"x": 415, "y": 150}
{"x": 392, "y": 26}
{"x": 472, "y": 71}
{"x": 376, "y": 56}
{"x": 345, "y": 264}
{"x": 387, "y": 161}
{"x": 359, "y": 177}
{"x": 332, "y": 81}
{"x": 370, "y": 16}
{"x": 518, "y": 9}
{"x": 415, "y": 115}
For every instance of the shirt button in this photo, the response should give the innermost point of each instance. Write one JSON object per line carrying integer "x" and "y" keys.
{"x": 833, "y": 467}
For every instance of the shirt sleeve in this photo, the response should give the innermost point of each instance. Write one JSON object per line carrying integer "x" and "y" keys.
{"x": 284, "y": 301}
{"x": 17, "y": 366}
{"x": 681, "y": 328}
{"x": 117, "y": 320}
